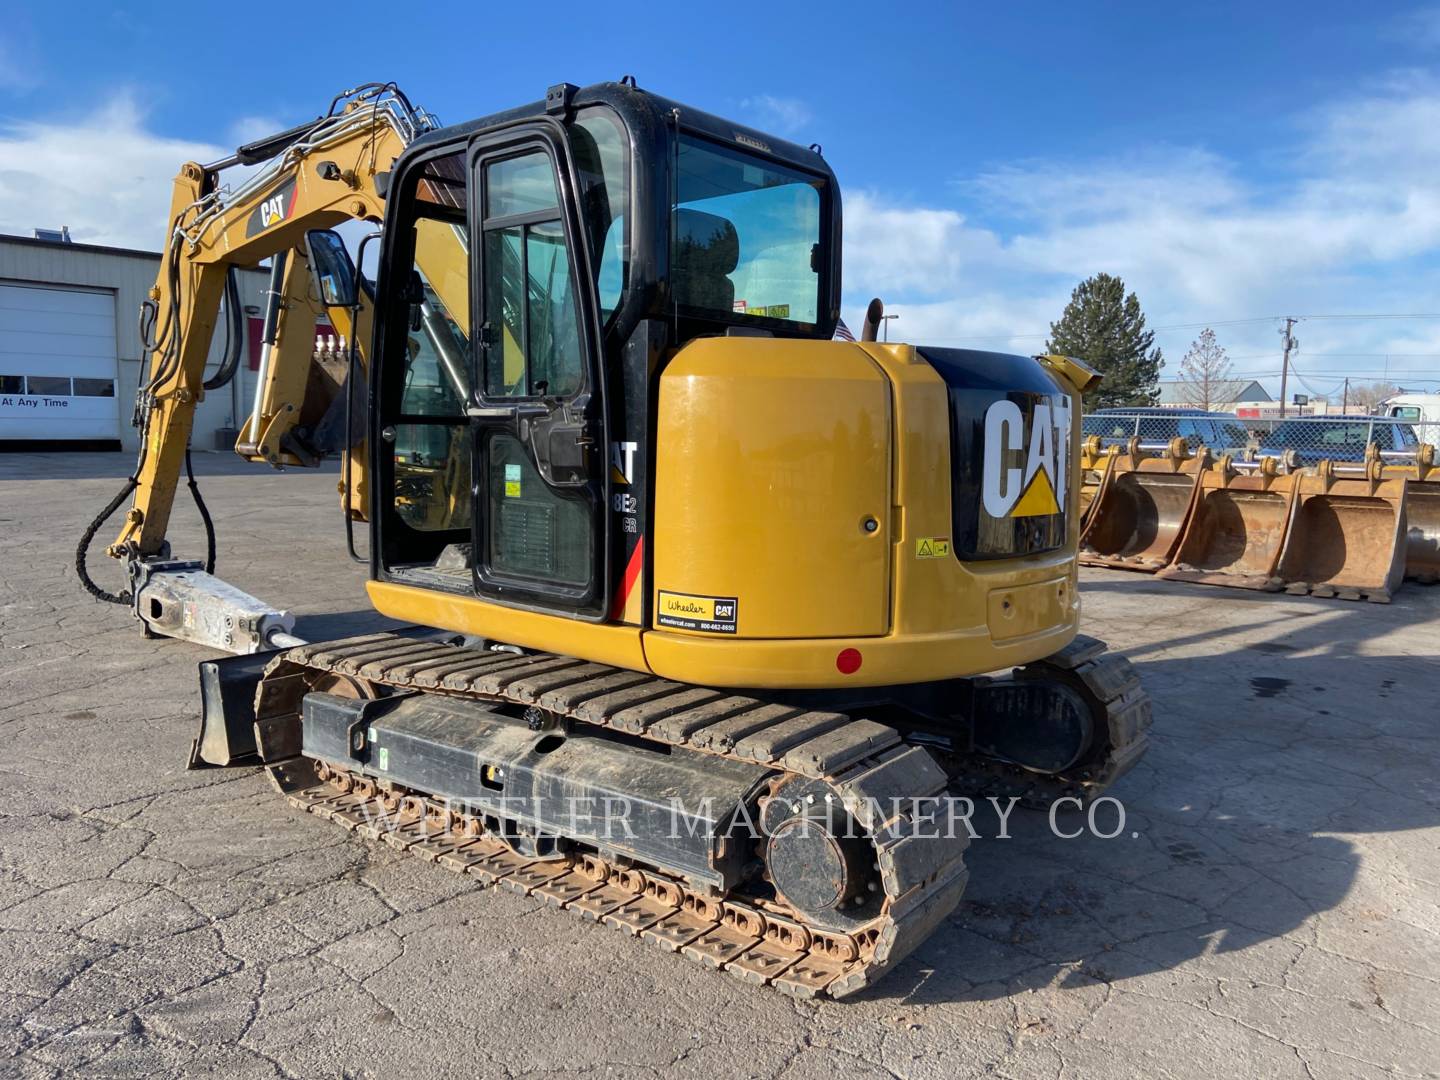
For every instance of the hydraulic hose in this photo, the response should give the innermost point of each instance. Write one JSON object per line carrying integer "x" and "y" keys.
{"x": 234, "y": 335}
{"x": 204, "y": 514}
{"x": 123, "y": 596}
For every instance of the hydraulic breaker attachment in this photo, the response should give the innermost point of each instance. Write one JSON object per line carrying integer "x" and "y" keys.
{"x": 1238, "y": 527}
{"x": 179, "y": 599}
{"x": 1141, "y": 507}
{"x": 1346, "y": 536}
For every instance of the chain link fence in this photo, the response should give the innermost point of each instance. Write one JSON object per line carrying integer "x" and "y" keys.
{"x": 1301, "y": 441}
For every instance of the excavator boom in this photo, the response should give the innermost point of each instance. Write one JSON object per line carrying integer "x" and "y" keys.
{"x": 321, "y": 176}
{"x": 314, "y": 176}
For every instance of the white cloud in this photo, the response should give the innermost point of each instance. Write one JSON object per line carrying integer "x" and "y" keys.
{"x": 250, "y": 129}
{"x": 105, "y": 175}
{"x": 782, "y": 115}
{"x": 1354, "y": 226}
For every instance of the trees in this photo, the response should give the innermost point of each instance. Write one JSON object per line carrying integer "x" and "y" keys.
{"x": 1205, "y": 373}
{"x": 1366, "y": 397}
{"x": 1104, "y": 327}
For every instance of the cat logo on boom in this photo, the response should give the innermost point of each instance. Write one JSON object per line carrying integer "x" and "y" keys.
{"x": 277, "y": 207}
{"x": 1025, "y": 464}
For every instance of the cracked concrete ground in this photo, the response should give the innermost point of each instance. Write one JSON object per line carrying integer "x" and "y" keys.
{"x": 1270, "y": 909}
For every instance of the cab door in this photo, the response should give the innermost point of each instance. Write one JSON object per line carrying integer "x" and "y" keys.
{"x": 538, "y": 411}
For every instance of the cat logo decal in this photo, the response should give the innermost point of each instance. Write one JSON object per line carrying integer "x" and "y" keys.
{"x": 1026, "y": 460}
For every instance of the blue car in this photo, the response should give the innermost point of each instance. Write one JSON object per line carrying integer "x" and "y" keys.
{"x": 1337, "y": 438}
{"x": 1219, "y": 431}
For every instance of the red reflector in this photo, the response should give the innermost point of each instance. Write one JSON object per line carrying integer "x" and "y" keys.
{"x": 848, "y": 662}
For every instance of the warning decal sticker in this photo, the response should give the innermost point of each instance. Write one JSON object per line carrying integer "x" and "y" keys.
{"x": 686, "y": 611}
{"x": 932, "y": 547}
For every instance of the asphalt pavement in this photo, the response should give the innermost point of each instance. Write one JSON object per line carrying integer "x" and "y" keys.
{"x": 1270, "y": 907}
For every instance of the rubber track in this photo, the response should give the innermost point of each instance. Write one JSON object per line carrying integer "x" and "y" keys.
{"x": 865, "y": 764}
{"x": 1113, "y": 685}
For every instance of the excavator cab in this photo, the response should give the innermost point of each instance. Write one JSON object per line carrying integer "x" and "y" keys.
{"x": 598, "y": 232}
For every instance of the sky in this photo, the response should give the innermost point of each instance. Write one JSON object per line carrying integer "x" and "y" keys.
{"x": 1233, "y": 162}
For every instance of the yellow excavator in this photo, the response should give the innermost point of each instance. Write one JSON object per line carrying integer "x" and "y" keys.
{"x": 707, "y": 612}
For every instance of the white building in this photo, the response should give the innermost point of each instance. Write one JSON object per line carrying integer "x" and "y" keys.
{"x": 1226, "y": 395}
{"x": 70, "y": 352}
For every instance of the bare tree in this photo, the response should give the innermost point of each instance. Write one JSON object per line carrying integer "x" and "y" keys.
{"x": 1365, "y": 397}
{"x": 1205, "y": 373}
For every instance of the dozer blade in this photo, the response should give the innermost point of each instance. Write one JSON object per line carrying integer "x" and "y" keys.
{"x": 1237, "y": 528}
{"x": 1345, "y": 539}
{"x": 1141, "y": 508}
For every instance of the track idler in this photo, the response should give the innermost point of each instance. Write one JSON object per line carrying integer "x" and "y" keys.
{"x": 1069, "y": 725}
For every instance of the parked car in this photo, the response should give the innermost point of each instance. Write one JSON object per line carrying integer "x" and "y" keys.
{"x": 1337, "y": 438}
{"x": 1220, "y": 431}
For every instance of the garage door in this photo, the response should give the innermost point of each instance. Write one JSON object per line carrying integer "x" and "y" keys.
{"x": 57, "y": 364}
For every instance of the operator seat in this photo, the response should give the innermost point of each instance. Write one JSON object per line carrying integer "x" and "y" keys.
{"x": 707, "y": 251}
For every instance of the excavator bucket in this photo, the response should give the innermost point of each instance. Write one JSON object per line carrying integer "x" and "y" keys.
{"x": 1347, "y": 535}
{"x": 1236, "y": 532}
{"x": 1141, "y": 507}
{"x": 1422, "y": 515}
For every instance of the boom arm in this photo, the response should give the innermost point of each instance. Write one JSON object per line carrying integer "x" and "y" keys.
{"x": 322, "y": 177}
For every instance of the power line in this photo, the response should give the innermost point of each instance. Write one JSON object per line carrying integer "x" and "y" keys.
{"x": 1238, "y": 322}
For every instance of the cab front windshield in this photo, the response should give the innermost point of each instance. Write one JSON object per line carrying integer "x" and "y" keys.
{"x": 745, "y": 236}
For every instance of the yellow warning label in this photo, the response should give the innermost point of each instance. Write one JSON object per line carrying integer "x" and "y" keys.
{"x": 687, "y": 611}
{"x": 932, "y": 547}
{"x": 512, "y": 489}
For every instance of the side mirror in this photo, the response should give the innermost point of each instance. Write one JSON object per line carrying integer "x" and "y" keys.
{"x": 332, "y": 268}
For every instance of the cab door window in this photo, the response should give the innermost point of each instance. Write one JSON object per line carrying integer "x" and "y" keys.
{"x": 530, "y": 530}
{"x": 532, "y": 330}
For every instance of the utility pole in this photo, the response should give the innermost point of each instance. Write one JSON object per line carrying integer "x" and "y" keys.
{"x": 1345, "y": 402}
{"x": 1290, "y": 343}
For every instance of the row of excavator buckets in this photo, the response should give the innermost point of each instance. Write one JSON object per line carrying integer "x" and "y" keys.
{"x": 1353, "y": 531}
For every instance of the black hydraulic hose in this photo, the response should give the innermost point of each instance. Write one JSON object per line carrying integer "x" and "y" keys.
{"x": 204, "y": 514}
{"x": 123, "y": 596}
{"x": 234, "y": 335}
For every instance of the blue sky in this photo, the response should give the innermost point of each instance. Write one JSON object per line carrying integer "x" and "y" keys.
{"x": 1233, "y": 162}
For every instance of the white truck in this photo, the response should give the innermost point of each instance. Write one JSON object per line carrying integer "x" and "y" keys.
{"x": 1417, "y": 408}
